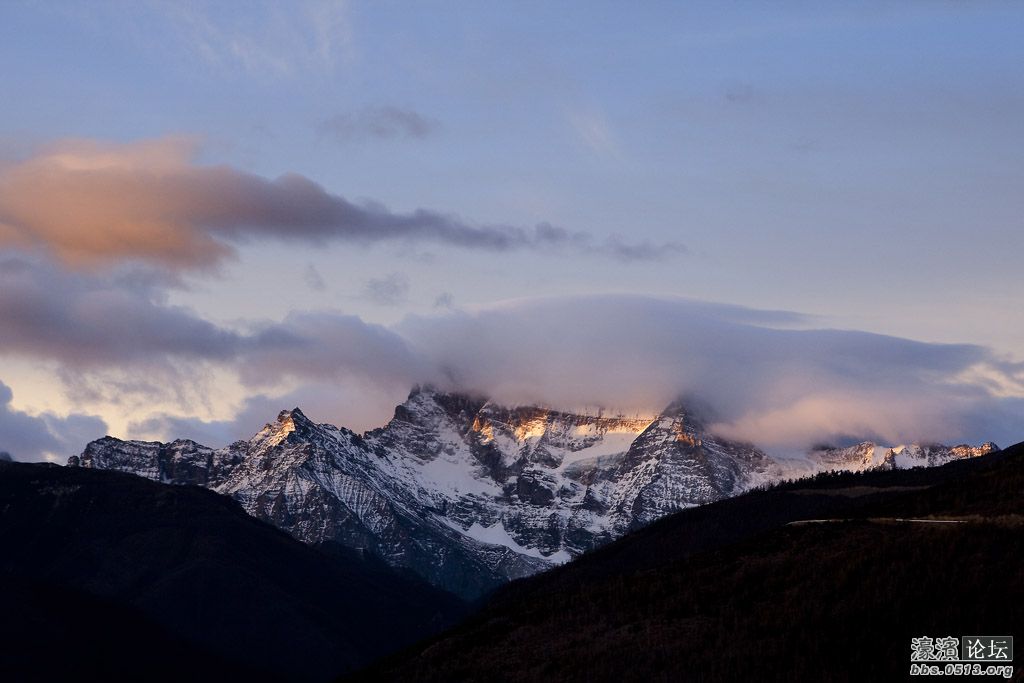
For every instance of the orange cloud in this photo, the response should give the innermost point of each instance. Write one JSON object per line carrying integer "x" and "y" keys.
{"x": 93, "y": 203}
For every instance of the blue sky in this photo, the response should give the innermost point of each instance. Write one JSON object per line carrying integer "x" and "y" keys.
{"x": 858, "y": 163}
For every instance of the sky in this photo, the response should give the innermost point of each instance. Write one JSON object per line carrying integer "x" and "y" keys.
{"x": 805, "y": 216}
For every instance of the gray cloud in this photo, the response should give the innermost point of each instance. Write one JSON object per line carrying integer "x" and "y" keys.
{"x": 641, "y": 251}
{"x": 29, "y": 438}
{"x": 390, "y": 290}
{"x": 320, "y": 346}
{"x": 149, "y": 201}
{"x": 84, "y": 320}
{"x": 359, "y": 405}
{"x": 254, "y": 412}
{"x": 102, "y": 327}
{"x": 742, "y": 93}
{"x": 444, "y": 300}
{"x": 311, "y": 276}
{"x": 382, "y": 123}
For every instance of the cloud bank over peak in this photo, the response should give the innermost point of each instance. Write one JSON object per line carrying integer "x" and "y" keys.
{"x": 762, "y": 376}
{"x": 769, "y": 377}
{"x": 93, "y": 203}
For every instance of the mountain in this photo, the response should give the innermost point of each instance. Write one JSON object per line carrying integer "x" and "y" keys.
{"x": 107, "y": 576}
{"x": 868, "y": 455}
{"x": 825, "y": 579}
{"x": 469, "y": 494}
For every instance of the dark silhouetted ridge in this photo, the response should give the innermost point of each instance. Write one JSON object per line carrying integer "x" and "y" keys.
{"x": 108, "y": 576}
{"x": 749, "y": 589}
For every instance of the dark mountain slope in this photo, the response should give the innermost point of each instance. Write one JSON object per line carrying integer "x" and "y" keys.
{"x": 49, "y": 632}
{"x": 190, "y": 567}
{"x": 974, "y": 486}
{"x": 731, "y": 591}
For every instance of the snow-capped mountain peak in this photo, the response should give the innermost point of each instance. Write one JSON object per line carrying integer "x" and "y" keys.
{"x": 868, "y": 455}
{"x": 288, "y": 422}
{"x": 469, "y": 493}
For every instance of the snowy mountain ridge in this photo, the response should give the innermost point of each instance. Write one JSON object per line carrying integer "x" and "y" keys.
{"x": 469, "y": 494}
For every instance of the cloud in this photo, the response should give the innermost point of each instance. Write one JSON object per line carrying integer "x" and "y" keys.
{"x": 594, "y": 131}
{"x": 112, "y": 338}
{"x": 357, "y": 405}
{"x": 742, "y": 94}
{"x": 88, "y": 321}
{"x": 318, "y": 346}
{"x": 764, "y": 376}
{"x": 44, "y": 437}
{"x": 390, "y": 290}
{"x": 381, "y": 123}
{"x": 768, "y": 377}
{"x": 91, "y": 324}
{"x": 311, "y": 276}
{"x": 641, "y": 251}
{"x": 91, "y": 203}
{"x": 761, "y": 376}
{"x": 268, "y": 41}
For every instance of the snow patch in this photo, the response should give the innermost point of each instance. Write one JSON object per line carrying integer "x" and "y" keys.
{"x": 496, "y": 534}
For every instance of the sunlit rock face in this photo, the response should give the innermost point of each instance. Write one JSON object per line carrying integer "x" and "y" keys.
{"x": 469, "y": 494}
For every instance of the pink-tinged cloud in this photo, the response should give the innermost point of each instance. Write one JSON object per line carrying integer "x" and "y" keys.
{"x": 100, "y": 203}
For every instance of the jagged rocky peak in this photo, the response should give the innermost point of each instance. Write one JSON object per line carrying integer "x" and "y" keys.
{"x": 691, "y": 410}
{"x": 291, "y": 425}
{"x": 683, "y": 421}
{"x": 294, "y": 420}
{"x": 966, "y": 450}
{"x": 470, "y": 493}
{"x": 426, "y": 404}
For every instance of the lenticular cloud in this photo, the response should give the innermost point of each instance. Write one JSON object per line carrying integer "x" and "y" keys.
{"x": 762, "y": 376}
